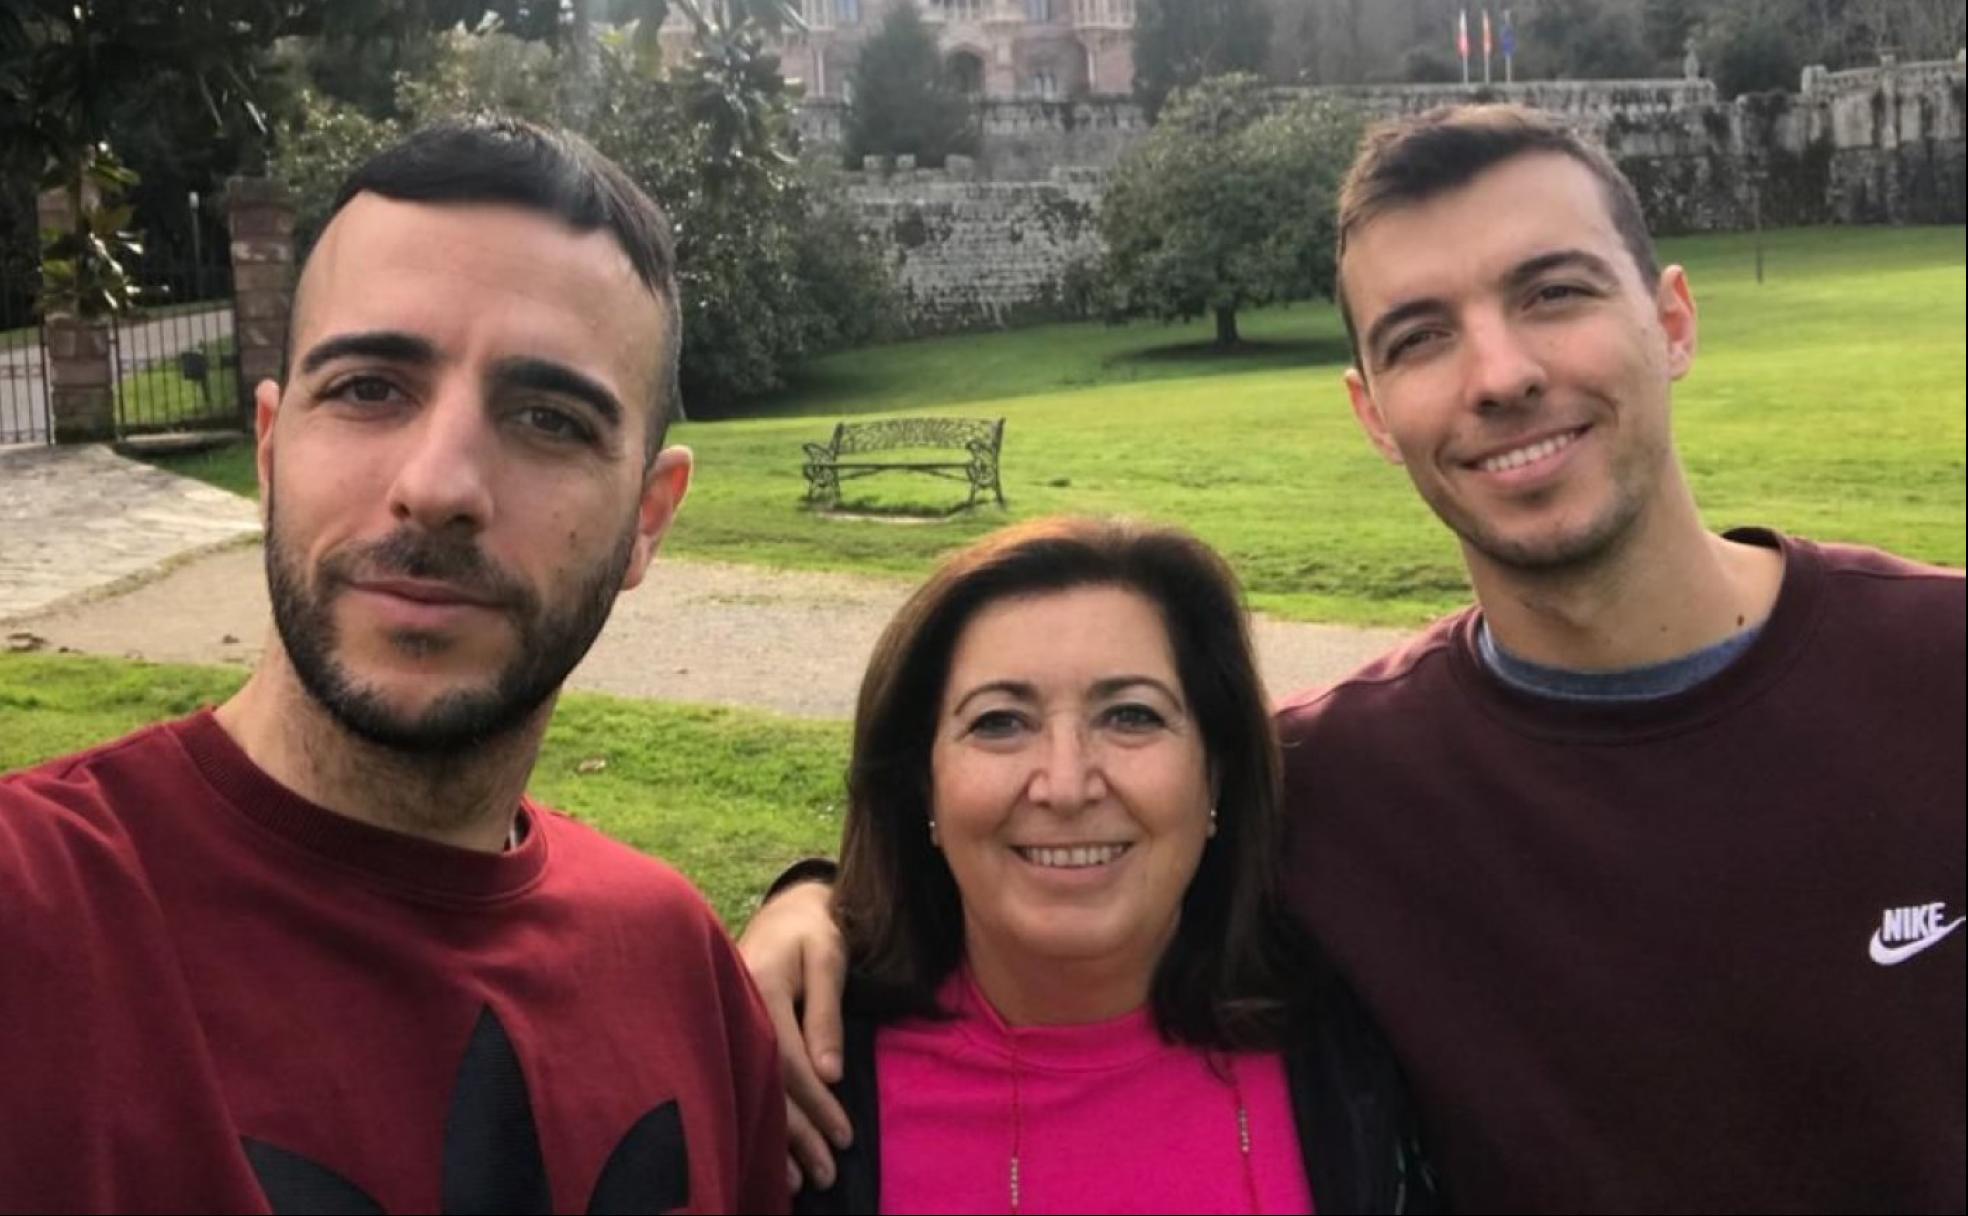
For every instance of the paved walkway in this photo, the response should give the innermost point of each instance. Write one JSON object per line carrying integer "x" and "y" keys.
{"x": 76, "y": 521}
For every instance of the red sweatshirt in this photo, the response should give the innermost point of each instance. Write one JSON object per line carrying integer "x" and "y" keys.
{"x": 1690, "y": 954}
{"x": 215, "y": 996}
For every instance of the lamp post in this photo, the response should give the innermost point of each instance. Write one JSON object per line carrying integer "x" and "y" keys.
{"x": 197, "y": 259}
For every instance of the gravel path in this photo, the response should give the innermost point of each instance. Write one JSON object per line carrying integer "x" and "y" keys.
{"x": 694, "y": 631}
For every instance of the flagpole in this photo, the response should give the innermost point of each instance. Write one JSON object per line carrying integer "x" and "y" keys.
{"x": 1462, "y": 42}
{"x": 1486, "y": 46}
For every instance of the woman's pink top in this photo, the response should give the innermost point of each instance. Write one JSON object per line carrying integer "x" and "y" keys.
{"x": 1106, "y": 1116}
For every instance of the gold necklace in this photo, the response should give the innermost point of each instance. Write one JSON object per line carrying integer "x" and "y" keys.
{"x": 1236, "y": 1093}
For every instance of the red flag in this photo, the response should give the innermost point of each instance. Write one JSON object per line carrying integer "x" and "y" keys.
{"x": 1486, "y": 33}
{"x": 1462, "y": 35}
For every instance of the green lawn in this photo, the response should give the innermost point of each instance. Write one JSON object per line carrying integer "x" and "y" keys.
{"x": 161, "y": 398}
{"x": 728, "y": 797}
{"x": 1828, "y": 401}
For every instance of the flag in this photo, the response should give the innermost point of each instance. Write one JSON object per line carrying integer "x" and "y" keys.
{"x": 1462, "y": 35}
{"x": 1508, "y": 36}
{"x": 1486, "y": 33}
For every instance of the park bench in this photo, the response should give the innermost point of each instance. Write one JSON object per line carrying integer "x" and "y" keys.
{"x": 910, "y": 445}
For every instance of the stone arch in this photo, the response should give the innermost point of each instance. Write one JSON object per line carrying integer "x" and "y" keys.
{"x": 965, "y": 65}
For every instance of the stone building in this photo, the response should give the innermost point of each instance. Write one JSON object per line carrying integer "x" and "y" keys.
{"x": 996, "y": 48}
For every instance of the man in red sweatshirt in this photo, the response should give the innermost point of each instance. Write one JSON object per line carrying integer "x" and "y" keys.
{"x": 315, "y": 950}
{"x": 1650, "y": 863}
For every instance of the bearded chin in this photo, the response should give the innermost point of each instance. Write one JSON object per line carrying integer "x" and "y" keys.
{"x": 548, "y": 643}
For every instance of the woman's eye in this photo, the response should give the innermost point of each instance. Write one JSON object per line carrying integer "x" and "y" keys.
{"x": 1135, "y": 718}
{"x": 995, "y": 724}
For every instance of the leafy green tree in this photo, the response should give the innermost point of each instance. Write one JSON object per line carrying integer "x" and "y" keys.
{"x": 905, "y": 102}
{"x": 1582, "y": 40}
{"x": 1178, "y": 43}
{"x": 1752, "y": 57}
{"x": 74, "y": 72}
{"x": 1225, "y": 204}
{"x": 1665, "y": 26}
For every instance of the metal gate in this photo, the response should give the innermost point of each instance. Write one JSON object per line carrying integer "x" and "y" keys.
{"x": 24, "y": 414}
{"x": 175, "y": 364}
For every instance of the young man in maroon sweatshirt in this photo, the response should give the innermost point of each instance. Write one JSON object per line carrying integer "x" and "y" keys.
{"x": 1650, "y": 863}
{"x": 315, "y": 950}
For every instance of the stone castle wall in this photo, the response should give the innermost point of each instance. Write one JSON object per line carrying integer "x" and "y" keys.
{"x": 969, "y": 252}
{"x": 1021, "y": 139}
{"x": 1011, "y": 233}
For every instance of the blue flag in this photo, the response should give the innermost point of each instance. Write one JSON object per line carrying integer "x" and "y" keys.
{"x": 1507, "y": 36}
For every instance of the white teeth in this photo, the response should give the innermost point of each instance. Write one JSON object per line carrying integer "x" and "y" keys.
{"x": 1525, "y": 455}
{"x": 1076, "y": 857}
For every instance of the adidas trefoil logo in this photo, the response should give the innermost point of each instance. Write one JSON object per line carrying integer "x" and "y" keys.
{"x": 492, "y": 1160}
{"x": 1905, "y": 932}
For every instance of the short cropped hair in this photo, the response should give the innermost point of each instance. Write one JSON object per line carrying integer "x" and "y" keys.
{"x": 494, "y": 159}
{"x": 1237, "y": 974}
{"x": 1411, "y": 160}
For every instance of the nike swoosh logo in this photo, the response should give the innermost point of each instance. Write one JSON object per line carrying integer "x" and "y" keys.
{"x": 1887, "y": 956}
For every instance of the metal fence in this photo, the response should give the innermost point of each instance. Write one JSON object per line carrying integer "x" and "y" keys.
{"x": 175, "y": 364}
{"x": 23, "y": 376}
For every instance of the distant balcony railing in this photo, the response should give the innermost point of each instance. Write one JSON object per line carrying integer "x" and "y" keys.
{"x": 970, "y": 12}
{"x": 1103, "y": 14}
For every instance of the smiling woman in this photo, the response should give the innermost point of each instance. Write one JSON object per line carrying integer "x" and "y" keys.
{"x": 1056, "y": 891}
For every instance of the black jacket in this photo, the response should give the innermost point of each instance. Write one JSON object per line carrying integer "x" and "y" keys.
{"x": 1357, "y": 1128}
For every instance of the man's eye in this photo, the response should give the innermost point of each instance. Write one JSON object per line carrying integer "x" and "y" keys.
{"x": 1408, "y": 343}
{"x": 558, "y": 424}
{"x": 1556, "y": 293}
{"x": 363, "y": 390}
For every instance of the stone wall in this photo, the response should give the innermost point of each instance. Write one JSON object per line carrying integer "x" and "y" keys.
{"x": 970, "y": 253}
{"x": 1011, "y": 233}
{"x": 1021, "y": 139}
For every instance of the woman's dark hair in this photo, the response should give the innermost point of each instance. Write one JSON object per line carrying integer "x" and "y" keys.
{"x": 1233, "y": 976}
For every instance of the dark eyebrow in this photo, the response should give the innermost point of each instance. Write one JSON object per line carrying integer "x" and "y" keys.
{"x": 389, "y": 345}
{"x": 1118, "y": 684}
{"x": 1561, "y": 259}
{"x": 546, "y": 376}
{"x": 1109, "y": 687}
{"x": 1012, "y": 688}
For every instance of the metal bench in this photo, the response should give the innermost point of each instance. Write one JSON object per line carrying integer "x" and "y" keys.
{"x": 910, "y": 445}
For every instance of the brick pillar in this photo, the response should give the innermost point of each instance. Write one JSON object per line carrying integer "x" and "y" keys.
{"x": 81, "y": 387}
{"x": 260, "y": 214}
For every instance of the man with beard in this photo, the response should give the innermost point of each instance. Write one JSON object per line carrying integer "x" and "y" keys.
{"x": 315, "y": 950}
{"x": 1651, "y": 862}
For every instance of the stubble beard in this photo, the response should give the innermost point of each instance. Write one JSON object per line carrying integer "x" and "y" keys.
{"x": 547, "y": 642}
{"x": 1573, "y": 549}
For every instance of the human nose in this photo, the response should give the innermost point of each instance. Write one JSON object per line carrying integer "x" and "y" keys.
{"x": 1499, "y": 369}
{"x": 444, "y": 481}
{"x": 1069, "y": 773}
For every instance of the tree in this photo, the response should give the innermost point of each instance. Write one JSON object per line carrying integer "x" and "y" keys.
{"x": 72, "y": 71}
{"x": 1583, "y": 40}
{"x": 905, "y": 102}
{"x": 1226, "y": 203}
{"x": 1178, "y": 43}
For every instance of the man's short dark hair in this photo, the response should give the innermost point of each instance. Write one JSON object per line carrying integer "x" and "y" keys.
{"x": 493, "y": 159}
{"x": 1411, "y": 160}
